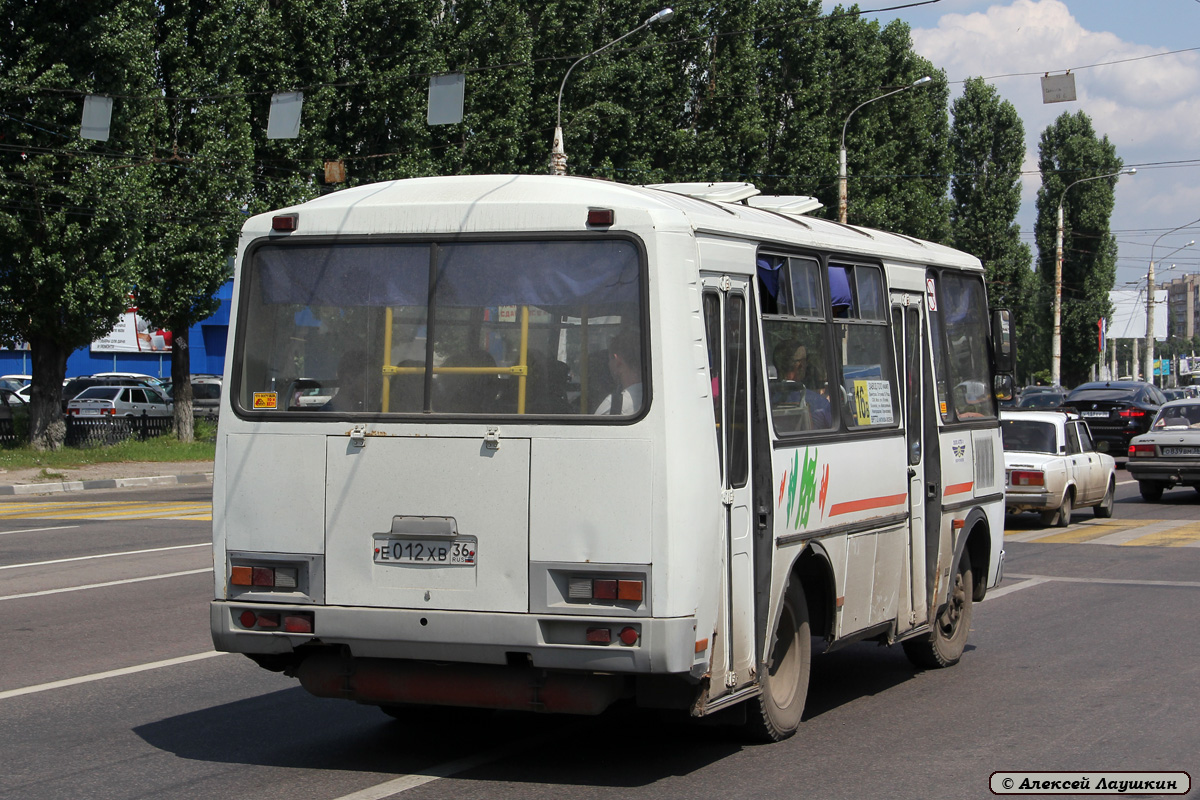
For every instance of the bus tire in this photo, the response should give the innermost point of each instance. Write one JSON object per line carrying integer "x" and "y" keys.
{"x": 944, "y": 645}
{"x": 775, "y": 714}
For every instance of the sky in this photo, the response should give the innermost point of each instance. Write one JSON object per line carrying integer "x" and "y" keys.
{"x": 1149, "y": 107}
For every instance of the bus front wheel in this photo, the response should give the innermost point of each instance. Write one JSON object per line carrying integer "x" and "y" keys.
{"x": 775, "y": 714}
{"x": 944, "y": 645}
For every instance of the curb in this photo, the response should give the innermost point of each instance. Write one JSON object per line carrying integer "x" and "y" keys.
{"x": 53, "y": 487}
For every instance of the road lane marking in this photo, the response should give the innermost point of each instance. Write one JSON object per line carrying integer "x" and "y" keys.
{"x": 1109, "y": 581}
{"x": 39, "y": 530}
{"x": 112, "y": 673}
{"x": 121, "y": 582}
{"x": 106, "y": 555}
{"x": 1016, "y": 587}
{"x": 403, "y": 783}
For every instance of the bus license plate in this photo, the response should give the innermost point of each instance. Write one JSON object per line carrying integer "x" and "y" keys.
{"x": 1181, "y": 451}
{"x": 439, "y": 552}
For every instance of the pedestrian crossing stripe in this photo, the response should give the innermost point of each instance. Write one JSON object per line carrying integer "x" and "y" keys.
{"x": 1124, "y": 533}
{"x": 107, "y": 510}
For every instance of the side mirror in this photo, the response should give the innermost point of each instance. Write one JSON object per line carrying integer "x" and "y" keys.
{"x": 1004, "y": 387}
{"x": 1004, "y": 347}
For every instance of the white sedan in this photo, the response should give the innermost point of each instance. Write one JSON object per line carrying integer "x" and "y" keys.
{"x": 1052, "y": 467}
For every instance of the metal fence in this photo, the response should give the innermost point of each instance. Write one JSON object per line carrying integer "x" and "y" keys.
{"x": 90, "y": 432}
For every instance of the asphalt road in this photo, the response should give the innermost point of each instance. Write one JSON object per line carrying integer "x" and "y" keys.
{"x": 1085, "y": 658}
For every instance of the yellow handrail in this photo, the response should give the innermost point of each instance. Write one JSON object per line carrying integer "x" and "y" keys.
{"x": 520, "y": 369}
{"x": 386, "y": 399}
{"x": 523, "y": 360}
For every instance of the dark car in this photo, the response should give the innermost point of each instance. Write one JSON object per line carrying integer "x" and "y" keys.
{"x": 1116, "y": 411}
{"x": 1045, "y": 400}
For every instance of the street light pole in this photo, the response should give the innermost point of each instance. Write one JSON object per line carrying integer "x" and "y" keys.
{"x": 1056, "y": 338}
{"x": 1150, "y": 296}
{"x": 842, "y": 202}
{"x": 558, "y": 156}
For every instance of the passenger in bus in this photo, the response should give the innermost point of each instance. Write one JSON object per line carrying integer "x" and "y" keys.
{"x": 546, "y": 386}
{"x": 791, "y": 364}
{"x": 351, "y": 382}
{"x": 469, "y": 393}
{"x": 625, "y": 366}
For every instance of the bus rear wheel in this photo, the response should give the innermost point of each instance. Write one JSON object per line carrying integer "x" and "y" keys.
{"x": 775, "y": 714}
{"x": 944, "y": 645}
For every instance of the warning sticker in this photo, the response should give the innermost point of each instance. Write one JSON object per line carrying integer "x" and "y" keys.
{"x": 873, "y": 403}
{"x": 264, "y": 400}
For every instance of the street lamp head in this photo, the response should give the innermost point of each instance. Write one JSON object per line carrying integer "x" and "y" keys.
{"x": 921, "y": 82}
{"x": 558, "y": 156}
{"x": 1130, "y": 171}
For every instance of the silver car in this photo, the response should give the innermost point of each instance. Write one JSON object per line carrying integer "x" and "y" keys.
{"x": 120, "y": 401}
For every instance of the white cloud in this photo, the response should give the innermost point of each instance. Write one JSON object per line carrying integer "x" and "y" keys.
{"x": 1146, "y": 106}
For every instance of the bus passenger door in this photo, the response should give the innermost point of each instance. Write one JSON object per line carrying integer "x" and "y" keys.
{"x": 726, "y": 315}
{"x": 909, "y": 330}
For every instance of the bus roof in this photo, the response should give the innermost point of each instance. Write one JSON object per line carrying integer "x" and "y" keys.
{"x": 547, "y": 203}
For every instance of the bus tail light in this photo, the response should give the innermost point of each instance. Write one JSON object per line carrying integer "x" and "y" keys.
{"x": 599, "y": 635}
{"x": 1141, "y": 450}
{"x": 263, "y": 577}
{"x": 625, "y": 590}
{"x": 290, "y": 621}
{"x": 629, "y": 636}
{"x": 1027, "y": 478}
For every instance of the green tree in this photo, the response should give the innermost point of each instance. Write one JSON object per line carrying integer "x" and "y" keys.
{"x": 897, "y": 154}
{"x": 1070, "y": 150}
{"x": 987, "y": 147}
{"x": 69, "y": 221}
{"x": 197, "y": 182}
{"x": 284, "y": 47}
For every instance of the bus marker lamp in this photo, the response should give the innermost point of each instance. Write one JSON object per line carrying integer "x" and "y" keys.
{"x": 285, "y": 223}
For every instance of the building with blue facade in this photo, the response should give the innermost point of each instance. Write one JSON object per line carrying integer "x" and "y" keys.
{"x": 207, "y": 342}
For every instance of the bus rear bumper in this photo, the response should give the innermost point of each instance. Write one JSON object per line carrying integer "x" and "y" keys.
{"x": 650, "y": 645}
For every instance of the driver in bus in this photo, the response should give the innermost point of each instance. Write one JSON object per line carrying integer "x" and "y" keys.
{"x": 625, "y": 366}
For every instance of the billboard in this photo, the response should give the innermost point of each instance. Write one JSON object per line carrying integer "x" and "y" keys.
{"x": 133, "y": 334}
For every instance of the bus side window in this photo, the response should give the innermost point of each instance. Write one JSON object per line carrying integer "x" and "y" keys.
{"x": 868, "y": 384}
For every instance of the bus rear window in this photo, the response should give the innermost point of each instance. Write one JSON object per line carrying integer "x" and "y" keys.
{"x": 549, "y": 328}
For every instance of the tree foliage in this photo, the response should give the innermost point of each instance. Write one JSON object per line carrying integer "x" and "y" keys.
{"x": 1071, "y": 152}
{"x": 197, "y": 178}
{"x": 987, "y": 147}
{"x": 69, "y": 222}
{"x": 744, "y": 90}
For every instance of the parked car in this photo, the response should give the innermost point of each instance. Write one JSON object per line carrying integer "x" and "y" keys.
{"x": 140, "y": 377}
{"x": 24, "y": 380}
{"x": 120, "y": 401}
{"x": 75, "y": 386}
{"x": 206, "y": 396}
{"x": 1051, "y": 466}
{"x": 14, "y": 415}
{"x": 1116, "y": 411}
{"x": 1169, "y": 455}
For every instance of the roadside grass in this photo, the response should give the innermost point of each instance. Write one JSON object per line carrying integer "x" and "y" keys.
{"x": 157, "y": 448}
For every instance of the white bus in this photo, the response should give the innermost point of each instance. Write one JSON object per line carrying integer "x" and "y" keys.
{"x": 551, "y": 443}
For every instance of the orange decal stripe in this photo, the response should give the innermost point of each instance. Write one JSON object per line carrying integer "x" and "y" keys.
{"x": 959, "y": 488}
{"x": 871, "y": 502}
